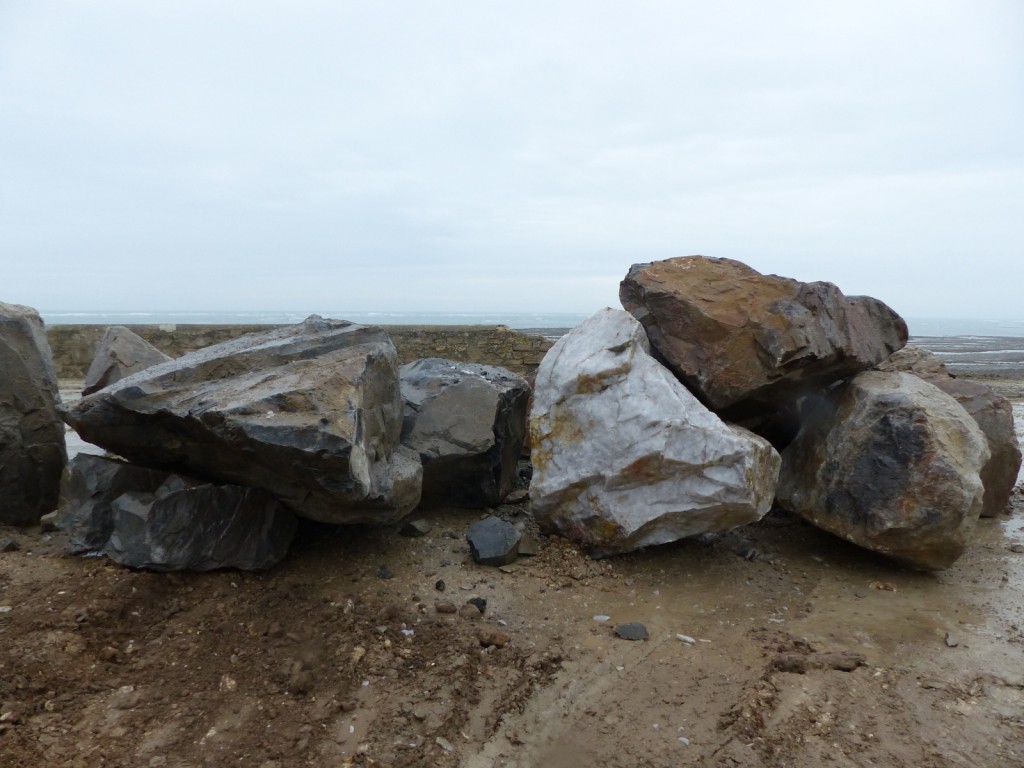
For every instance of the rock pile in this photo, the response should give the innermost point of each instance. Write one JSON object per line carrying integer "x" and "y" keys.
{"x": 625, "y": 455}
{"x": 302, "y": 420}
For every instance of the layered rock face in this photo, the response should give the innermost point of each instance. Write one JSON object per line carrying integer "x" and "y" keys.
{"x": 992, "y": 412}
{"x": 746, "y": 342}
{"x": 147, "y": 518}
{"x": 625, "y": 456}
{"x": 467, "y": 423}
{"x": 120, "y": 353}
{"x": 311, "y": 414}
{"x": 889, "y": 462}
{"x": 32, "y": 452}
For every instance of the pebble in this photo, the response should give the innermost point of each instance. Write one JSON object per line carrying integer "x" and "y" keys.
{"x": 601, "y": 617}
{"x": 9, "y": 545}
{"x": 416, "y": 528}
{"x": 518, "y": 496}
{"x": 632, "y": 630}
{"x": 1017, "y": 549}
{"x": 444, "y": 744}
{"x": 48, "y": 522}
{"x": 686, "y": 639}
{"x": 495, "y": 637}
{"x": 439, "y": 585}
{"x": 383, "y": 572}
{"x": 469, "y": 611}
{"x": 951, "y": 641}
{"x": 445, "y": 606}
{"x": 479, "y": 602}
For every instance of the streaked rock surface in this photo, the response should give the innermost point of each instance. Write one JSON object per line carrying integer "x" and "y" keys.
{"x": 891, "y": 463}
{"x": 310, "y": 413}
{"x": 992, "y": 412}
{"x": 32, "y": 450}
{"x": 625, "y": 456}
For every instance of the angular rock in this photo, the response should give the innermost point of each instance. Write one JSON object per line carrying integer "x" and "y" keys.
{"x": 493, "y": 541}
{"x": 416, "y": 528}
{"x": 199, "y": 528}
{"x": 891, "y": 463}
{"x": 120, "y": 353}
{"x": 625, "y": 456}
{"x": 746, "y": 342}
{"x": 32, "y": 451}
{"x": 467, "y": 422}
{"x": 992, "y": 412}
{"x": 632, "y": 630}
{"x": 309, "y": 413}
{"x": 88, "y": 489}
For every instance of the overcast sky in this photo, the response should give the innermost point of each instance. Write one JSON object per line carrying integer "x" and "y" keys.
{"x": 516, "y": 156}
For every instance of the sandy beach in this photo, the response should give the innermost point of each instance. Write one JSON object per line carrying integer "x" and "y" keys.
{"x": 322, "y": 662}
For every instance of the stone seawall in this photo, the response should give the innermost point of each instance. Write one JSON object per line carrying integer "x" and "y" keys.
{"x": 74, "y": 345}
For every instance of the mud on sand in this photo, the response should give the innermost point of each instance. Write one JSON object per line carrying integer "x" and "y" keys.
{"x": 324, "y": 662}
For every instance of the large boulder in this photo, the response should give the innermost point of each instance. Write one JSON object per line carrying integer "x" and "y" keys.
{"x": 89, "y": 487}
{"x": 891, "y": 463}
{"x": 310, "y": 413}
{"x": 747, "y": 343}
{"x": 120, "y": 353}
{"x": 992, "y": 412}
{"x": 625, "y": 456}
{"x": 148, "y": 518}
{"x": 467, "y": 423}
{"x": 32, "y": 451}
{"x": 186, "y": 527}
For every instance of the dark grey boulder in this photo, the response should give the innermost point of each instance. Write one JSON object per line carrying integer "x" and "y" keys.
{"x": 199, "y": 528}
{"x": 992, "y": 412}
{"x": 88, "y": 489}
{"x": 309, "y": 413}
{"x": 120, "y": 353}
{"x": 32, "y": 450}
{"x": 493, "y": 541}
{"x": 891, "y": 463}
{"x": 467, "y": 422}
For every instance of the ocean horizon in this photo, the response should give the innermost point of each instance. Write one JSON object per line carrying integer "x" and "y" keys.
{"x": 919, "y": 327}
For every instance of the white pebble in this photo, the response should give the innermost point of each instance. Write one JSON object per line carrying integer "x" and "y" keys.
{"x": 599, "y": 617}
{"x": 686, "y": 639}
{"x": 684, "y": 741}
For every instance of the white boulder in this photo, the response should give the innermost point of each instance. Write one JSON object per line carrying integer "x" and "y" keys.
{"x": 624, "y": 456}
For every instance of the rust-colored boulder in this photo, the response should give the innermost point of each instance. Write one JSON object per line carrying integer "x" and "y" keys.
{"x": 747, "y": 343}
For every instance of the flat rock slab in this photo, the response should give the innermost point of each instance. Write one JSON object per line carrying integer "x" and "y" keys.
{"x": 493, "y": 541}
{"x": 625, "y": 456}
{"x": 310, "y": 413}
{"x": 746, "y": 342}
{"x": 891, "y": 463}
{"x": 467, "y": 422}
{"x": 32, "y": 450}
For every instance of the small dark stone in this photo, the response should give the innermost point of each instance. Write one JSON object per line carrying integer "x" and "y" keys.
{"x": 383, "y": 572}
{"x": 1017, "y": 548}
{"x": 632, "y": 630}
{"x": 9, "y": 545}
{"x": 493, "y": 541}
{"x": 416, "y": 528}
{"x": 439, "y": 585}
{"x": 479, "y": 602}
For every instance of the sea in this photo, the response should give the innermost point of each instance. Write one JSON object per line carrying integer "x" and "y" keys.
{"x": 929, "y": 326}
